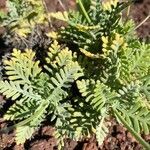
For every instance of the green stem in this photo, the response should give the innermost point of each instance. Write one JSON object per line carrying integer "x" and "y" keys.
{"x": 83, "y": 10}
{"x": 135, "y": 134}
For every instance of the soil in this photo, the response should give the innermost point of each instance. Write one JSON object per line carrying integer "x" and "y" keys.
{"x": 118, "y": 139}
{"x": 139, "y": 11}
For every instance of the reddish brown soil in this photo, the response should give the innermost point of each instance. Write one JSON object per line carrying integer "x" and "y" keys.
{"x": 139, "y": 11}
{"x": 3, "y": 5}
{"x": 118, "y": 138}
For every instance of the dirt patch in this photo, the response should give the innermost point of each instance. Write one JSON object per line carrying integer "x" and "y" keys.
{"x": 139, "y": 11}
{"x": 118, "y": 139}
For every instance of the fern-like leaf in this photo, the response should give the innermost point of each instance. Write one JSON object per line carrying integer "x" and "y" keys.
{"x": 21, "y": 110}
{"x": 27, "y": 127}
{"x": 97, "y": 94}
{"x": 23, "y": 133}
{"x": 63, "y": 16}
{"x": 21, "y": 67}
{"x": 138, "y": 118}
{"x": 101, "y": 131}
{"x": 13, "y": 90}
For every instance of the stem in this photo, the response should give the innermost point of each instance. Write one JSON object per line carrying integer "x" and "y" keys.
{"x": 83, "y": 10}
{"x": 60, "y": 2}
{"x": 135, "y": 134}
{"x": 142, "y": 22}
{"x": 46, "y": 11}
{"x": 128, "y": 11}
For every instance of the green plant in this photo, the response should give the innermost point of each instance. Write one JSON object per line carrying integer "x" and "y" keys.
{"x": 37, "y": 94}
{"x": 23, "y": 16}
{"x": 107, "y": 76}
{"x": 87, "y": 26}
{"x": 25, "y": 24}
{"x": 116, "y": 68}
